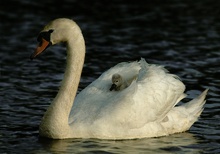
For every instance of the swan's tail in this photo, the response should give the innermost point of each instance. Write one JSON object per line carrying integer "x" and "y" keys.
{"x": 195, "y": 106}
{"x": 182, "y": 117}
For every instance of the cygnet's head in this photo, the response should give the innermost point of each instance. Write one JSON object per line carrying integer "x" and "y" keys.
{"x": 116, "y": 82}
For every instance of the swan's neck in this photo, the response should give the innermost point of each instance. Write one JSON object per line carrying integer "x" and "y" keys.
{"x": 55, "y": 121}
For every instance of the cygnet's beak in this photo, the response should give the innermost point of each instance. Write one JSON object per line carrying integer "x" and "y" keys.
{"x": 40, "y": 48}
{"x": 113, "y": 87}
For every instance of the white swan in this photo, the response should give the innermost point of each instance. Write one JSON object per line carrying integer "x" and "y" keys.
{"x": 144, "y": 109}
{"x": 120, "y": 83}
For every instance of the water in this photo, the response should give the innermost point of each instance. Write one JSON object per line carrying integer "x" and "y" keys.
{"x": 180, "y": 34}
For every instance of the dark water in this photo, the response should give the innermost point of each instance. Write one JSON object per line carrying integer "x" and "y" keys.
{"x": 183, "y": 35}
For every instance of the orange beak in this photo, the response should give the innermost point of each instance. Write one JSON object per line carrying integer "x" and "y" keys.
{"x": 40, "y": 48}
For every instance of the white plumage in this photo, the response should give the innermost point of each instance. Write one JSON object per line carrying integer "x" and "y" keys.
{"x": 146, "y": 108}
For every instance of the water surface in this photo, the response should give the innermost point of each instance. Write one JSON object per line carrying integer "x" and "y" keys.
{"x": 179, "y": 34}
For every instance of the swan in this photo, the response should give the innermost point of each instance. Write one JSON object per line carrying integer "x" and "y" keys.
{"x": 119, "y": 82}
{"x": 144, "y": 109}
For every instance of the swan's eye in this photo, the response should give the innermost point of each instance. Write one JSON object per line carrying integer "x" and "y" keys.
{"x": 45, "y": 35}
{"x": 50, "y": 31}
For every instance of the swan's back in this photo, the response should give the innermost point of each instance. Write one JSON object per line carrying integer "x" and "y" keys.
{"x": 138, "y": 110}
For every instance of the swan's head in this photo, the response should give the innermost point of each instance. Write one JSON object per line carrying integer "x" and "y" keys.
{"x": 116, "y": 81}
{"x": 58, "y": 30}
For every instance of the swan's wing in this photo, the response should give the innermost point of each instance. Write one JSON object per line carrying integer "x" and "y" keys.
{"x": 97, "y": 96}
{"x": 147, "y": 99}
{"x": 157, "y": 92}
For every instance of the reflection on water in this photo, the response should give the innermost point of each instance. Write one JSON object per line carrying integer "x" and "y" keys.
{"x": 175, "y": 143}
{"x": 182, "y": 35}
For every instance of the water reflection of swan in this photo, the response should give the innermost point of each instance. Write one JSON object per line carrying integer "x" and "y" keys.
{"x": 169, "y": 144}
{"x": 144, "y": 109}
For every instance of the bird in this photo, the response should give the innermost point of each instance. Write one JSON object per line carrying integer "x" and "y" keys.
{"x": 147, "y": 108}
{"x": 119, "y": 82}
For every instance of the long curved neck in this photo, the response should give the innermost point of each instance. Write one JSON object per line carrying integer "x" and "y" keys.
{"x": 55, "y": 121}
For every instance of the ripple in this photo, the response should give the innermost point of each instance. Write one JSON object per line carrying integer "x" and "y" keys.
{"x": 187, "y": 44}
